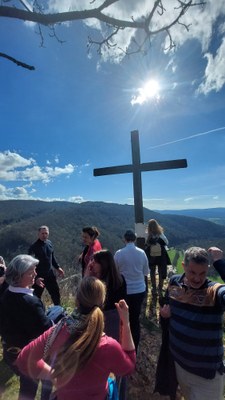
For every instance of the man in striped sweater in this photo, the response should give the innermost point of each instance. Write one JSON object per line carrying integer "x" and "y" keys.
{"x": 195, "y": 308}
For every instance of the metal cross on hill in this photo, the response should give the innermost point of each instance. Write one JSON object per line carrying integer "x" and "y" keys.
{"x": 136, "y": 168}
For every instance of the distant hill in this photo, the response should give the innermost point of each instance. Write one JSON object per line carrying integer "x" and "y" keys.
{"x": 20, "y": 219}
{"x": 216, "y": 215}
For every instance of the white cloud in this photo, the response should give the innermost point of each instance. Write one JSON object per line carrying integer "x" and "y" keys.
{"x": 202, "y": 23}
{"x": 9, "y": 160}
{"x": 13, "y": 167}
{"x": 76, "y": 199}
{"x": 26, "y": 193}
{"x": 200, "y": 198}
{"x": 214, "y": 78}
{"x": 18, "y": 192}
{"x": 203, "y": 201}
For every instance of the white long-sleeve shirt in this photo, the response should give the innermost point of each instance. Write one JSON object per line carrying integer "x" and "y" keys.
{"x": 132, "y": 263}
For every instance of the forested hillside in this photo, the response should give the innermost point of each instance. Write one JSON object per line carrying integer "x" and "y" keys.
{"x": 20, "y": 219}
{"x": 216, "y": 215}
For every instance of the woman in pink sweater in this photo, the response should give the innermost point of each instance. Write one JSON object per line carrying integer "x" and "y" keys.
{"x": 76, "y": 355}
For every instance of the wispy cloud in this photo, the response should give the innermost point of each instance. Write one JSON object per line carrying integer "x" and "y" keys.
{"x": 214, "y": 78}
{"x": 201, "y": 197}
{"x": 188, "y": 137}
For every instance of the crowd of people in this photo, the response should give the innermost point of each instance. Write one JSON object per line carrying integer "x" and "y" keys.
{"x": 75, "y": 357}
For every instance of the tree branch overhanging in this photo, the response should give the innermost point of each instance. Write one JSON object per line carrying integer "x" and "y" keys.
{"x": 17, "y": 62}
{"x": 114, "y": 25}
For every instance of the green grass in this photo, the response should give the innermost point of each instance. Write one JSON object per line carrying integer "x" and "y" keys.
{"x": 9, "y": 383}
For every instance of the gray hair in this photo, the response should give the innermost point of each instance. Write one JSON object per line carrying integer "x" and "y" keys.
{"x": 43, "y": 227}
{"x": 17, "y": 268}
{"x": 196, "y": 254}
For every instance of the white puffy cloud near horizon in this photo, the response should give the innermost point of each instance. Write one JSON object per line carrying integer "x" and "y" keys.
{"x": 27, "y": 193}
{"x": 14, "y": 167}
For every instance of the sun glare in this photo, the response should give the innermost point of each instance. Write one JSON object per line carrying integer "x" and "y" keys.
{"x": 150, "y": 91}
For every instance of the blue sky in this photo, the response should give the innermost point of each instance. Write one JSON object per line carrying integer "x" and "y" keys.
{"x": 75, "y": 112}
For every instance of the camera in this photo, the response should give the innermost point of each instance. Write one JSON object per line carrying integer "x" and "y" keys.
{"x": 2, "y": 271}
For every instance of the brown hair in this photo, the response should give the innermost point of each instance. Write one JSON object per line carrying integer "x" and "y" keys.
{"x": 92, "y": 231}
{"x": 109, "y": 272}
{"x": 154, "y": 228}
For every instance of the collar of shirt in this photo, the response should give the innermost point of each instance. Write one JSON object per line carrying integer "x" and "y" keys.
{"x": 130, "y": 244}
{"x": 21, "y": 290}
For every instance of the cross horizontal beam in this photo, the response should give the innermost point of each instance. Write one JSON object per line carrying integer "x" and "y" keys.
{"x": 150, "y": 166}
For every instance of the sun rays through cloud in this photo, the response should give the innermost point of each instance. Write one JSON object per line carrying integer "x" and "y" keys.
{"x": 150, "y": 91}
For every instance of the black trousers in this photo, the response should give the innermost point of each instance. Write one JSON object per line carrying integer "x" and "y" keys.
{"x": 52, "y": 287}
{"x": 28, "y": 386}
{"x": 134, "y": 302}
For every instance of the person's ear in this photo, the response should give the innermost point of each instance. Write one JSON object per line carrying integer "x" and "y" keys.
{"x": 183, "y": 265}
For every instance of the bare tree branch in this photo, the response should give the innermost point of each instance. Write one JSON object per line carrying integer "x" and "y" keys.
{"x": 95, "y": 13}
{"x": 105, "y": 42}
{"x": 17, "y": 62}
{"x": 114, "y": 25}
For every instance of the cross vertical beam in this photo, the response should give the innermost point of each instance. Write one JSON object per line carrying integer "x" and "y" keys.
{"x": 137, "y": 183}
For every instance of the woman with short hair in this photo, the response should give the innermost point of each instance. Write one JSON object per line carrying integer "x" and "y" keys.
{"x": 22, "y": 317}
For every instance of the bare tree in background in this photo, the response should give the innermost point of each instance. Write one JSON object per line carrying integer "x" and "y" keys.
{"x": 143, "y": 27}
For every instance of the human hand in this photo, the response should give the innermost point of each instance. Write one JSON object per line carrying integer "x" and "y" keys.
{"x": 88, "y": 271}
{"x": 60, "y": 272}
{"x": 123, "y": 311}
{"x": 40, "y": 282}
{"x": 215, "y": 253}
{"x": 52, "y": 378}
{"x": 2, "y": 279}
{"x": 2, "y": 261}
{"x": 165, "y": 311}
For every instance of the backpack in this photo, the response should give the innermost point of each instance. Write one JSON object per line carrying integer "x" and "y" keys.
{"x": 155, "y": 250}
{"x": 112, "y": 388}
{"x": 56, "y": 313}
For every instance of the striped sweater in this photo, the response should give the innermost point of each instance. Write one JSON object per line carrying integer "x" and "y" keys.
{"x": 196, "y": 325}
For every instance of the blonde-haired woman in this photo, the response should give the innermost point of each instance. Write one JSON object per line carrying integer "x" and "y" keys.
{"x": 78, "y": 355}
{"x": 157, "y": 254}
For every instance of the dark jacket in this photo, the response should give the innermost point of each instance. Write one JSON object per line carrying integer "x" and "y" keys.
{"x": 44, "y": 252}
{"x": 22, "y": 318}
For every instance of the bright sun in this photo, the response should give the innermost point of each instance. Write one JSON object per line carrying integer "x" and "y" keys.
{"x": 149, "y": 91}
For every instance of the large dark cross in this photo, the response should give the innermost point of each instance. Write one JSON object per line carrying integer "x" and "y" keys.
{"x": 136, "y": 168}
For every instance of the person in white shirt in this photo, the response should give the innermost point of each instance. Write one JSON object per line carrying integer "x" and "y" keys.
{"x": 132, "y": 263}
